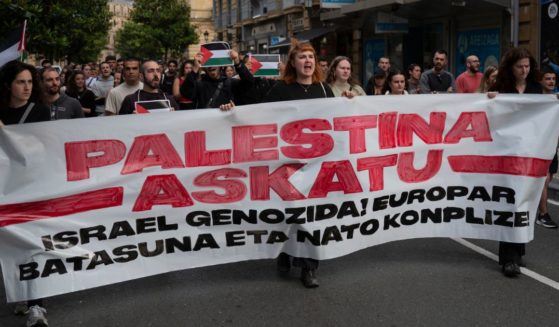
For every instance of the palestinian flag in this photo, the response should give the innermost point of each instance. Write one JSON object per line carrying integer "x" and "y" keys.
{"x": 265, "y": 65}
{"x": 145, "y": 107}
{"x": 12, "y": 44}
{"x": 215, "y": 54}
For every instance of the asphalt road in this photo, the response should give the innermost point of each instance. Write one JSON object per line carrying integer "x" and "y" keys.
{"x": 422, "y": 282}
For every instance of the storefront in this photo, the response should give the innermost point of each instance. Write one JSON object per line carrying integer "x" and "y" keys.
{"x": 549, "y": 42}
{"x": 257, "y": 38}
{"x": 410, "y": 31}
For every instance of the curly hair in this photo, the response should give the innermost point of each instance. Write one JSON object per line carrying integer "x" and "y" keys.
{"x": 8, "y": 74}
{"x": 290, "y": 74}
{"x": 506, "y": 82}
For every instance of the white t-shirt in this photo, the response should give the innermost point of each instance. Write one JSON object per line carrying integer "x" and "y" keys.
{"x": 117, "y": 95}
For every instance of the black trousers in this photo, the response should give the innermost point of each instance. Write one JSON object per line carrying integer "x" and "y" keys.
{"x": 305, "y": 263}
{"x": 38, "y": 302}
{"x": 511, "y": 252}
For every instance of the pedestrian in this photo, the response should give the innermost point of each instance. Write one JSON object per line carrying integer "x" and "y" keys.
{"x": 185, "y": 69}
{"x": 488, "y": 79}
{"x": 376, "y": 83}
{"x": 131, "y": 84}
{"x": 254, "y": 92}
{"x": 151, "y": 78}
{"x": 102, "y": 85}
{"x": 437, "y": 79}
{"x": 549, "y": 82}
{"x": 61, "y": 105}
{"x": 77, "y": 90}
{"x": 323, "y": 65}
{"x": 518, "y": 74}
{"x": 117, "y": 79}
{"x": 414, "y": 71}
{"x": 469, "y": 81}
{"x": 20, "y": 103}
{"x": 168, "y": 77}
{"x": 212, "y": 90}
{"x": 229, "y": 71}
{"x": 301, "y": 80}
{"x": 384, "y": 65}
{"x": 395, "y": 83}
{"x": 340, "y": 80}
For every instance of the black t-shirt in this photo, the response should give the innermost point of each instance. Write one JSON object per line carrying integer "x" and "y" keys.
{"x": 12, "y": 116}
{"x": 167, "y": 83}
{"x": 532, "y": 88}
{"x": 295, "y": 91}
{"x": 87, "y": 100}
{"x": 129, "y": 103}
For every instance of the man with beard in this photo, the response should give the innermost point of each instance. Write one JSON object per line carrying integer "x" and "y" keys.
{"x": 437, "y": 79}
{"x": 150, "y": 93}
{"x": 131, "y": 84}
{"x": 468, "y": 81}
{"x": 61, "y": 105}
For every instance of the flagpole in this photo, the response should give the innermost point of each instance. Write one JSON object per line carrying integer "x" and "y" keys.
{"x": 22, "y": 46}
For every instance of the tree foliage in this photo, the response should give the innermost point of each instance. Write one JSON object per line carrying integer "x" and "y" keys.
{"x": 60, "y": 29}
{"x": 156, "y": 29}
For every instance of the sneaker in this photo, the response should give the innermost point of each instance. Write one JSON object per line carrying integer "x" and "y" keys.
{"x": 545, "y": 221}
{"x": 308, "y": 277}
{"x": 21, "y": 309}
{"x": 37, "y": 317}
{"x": 511, "y": 269}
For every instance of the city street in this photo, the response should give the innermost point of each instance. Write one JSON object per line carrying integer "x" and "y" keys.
{"x": 423, "y": 282}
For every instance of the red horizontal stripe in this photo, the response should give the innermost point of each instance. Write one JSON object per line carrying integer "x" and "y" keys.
{"x": 18, "y": 213}
{"x": 508, "y": 165}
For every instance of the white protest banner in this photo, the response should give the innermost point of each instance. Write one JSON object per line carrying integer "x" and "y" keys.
{"x": 92, "y": 202}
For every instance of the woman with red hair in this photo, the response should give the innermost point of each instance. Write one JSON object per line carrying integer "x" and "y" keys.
{"x": 300, "y": 80}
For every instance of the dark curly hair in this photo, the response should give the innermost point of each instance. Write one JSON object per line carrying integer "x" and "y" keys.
{"x": 8, "y": 74}
{"x": 506, "y": 82}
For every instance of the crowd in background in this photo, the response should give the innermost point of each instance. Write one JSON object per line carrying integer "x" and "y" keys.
{"x": 117, "y": 86}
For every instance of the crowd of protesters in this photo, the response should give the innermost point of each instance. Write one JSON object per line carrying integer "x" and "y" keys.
{"x": 115, "y": 87}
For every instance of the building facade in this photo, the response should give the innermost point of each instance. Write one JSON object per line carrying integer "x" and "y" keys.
{"x": 120, "y": 9}
{"x": 406, "y": 31}
{"x": 201, "y": 18}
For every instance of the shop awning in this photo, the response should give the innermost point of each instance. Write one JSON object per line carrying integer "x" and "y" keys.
{"x": 304, "y": 36}
{"x": 364, "y": 5}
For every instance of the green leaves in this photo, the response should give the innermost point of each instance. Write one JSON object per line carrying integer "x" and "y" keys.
{"x": 60, "y": 29}
{"x": 156, "y": 27}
